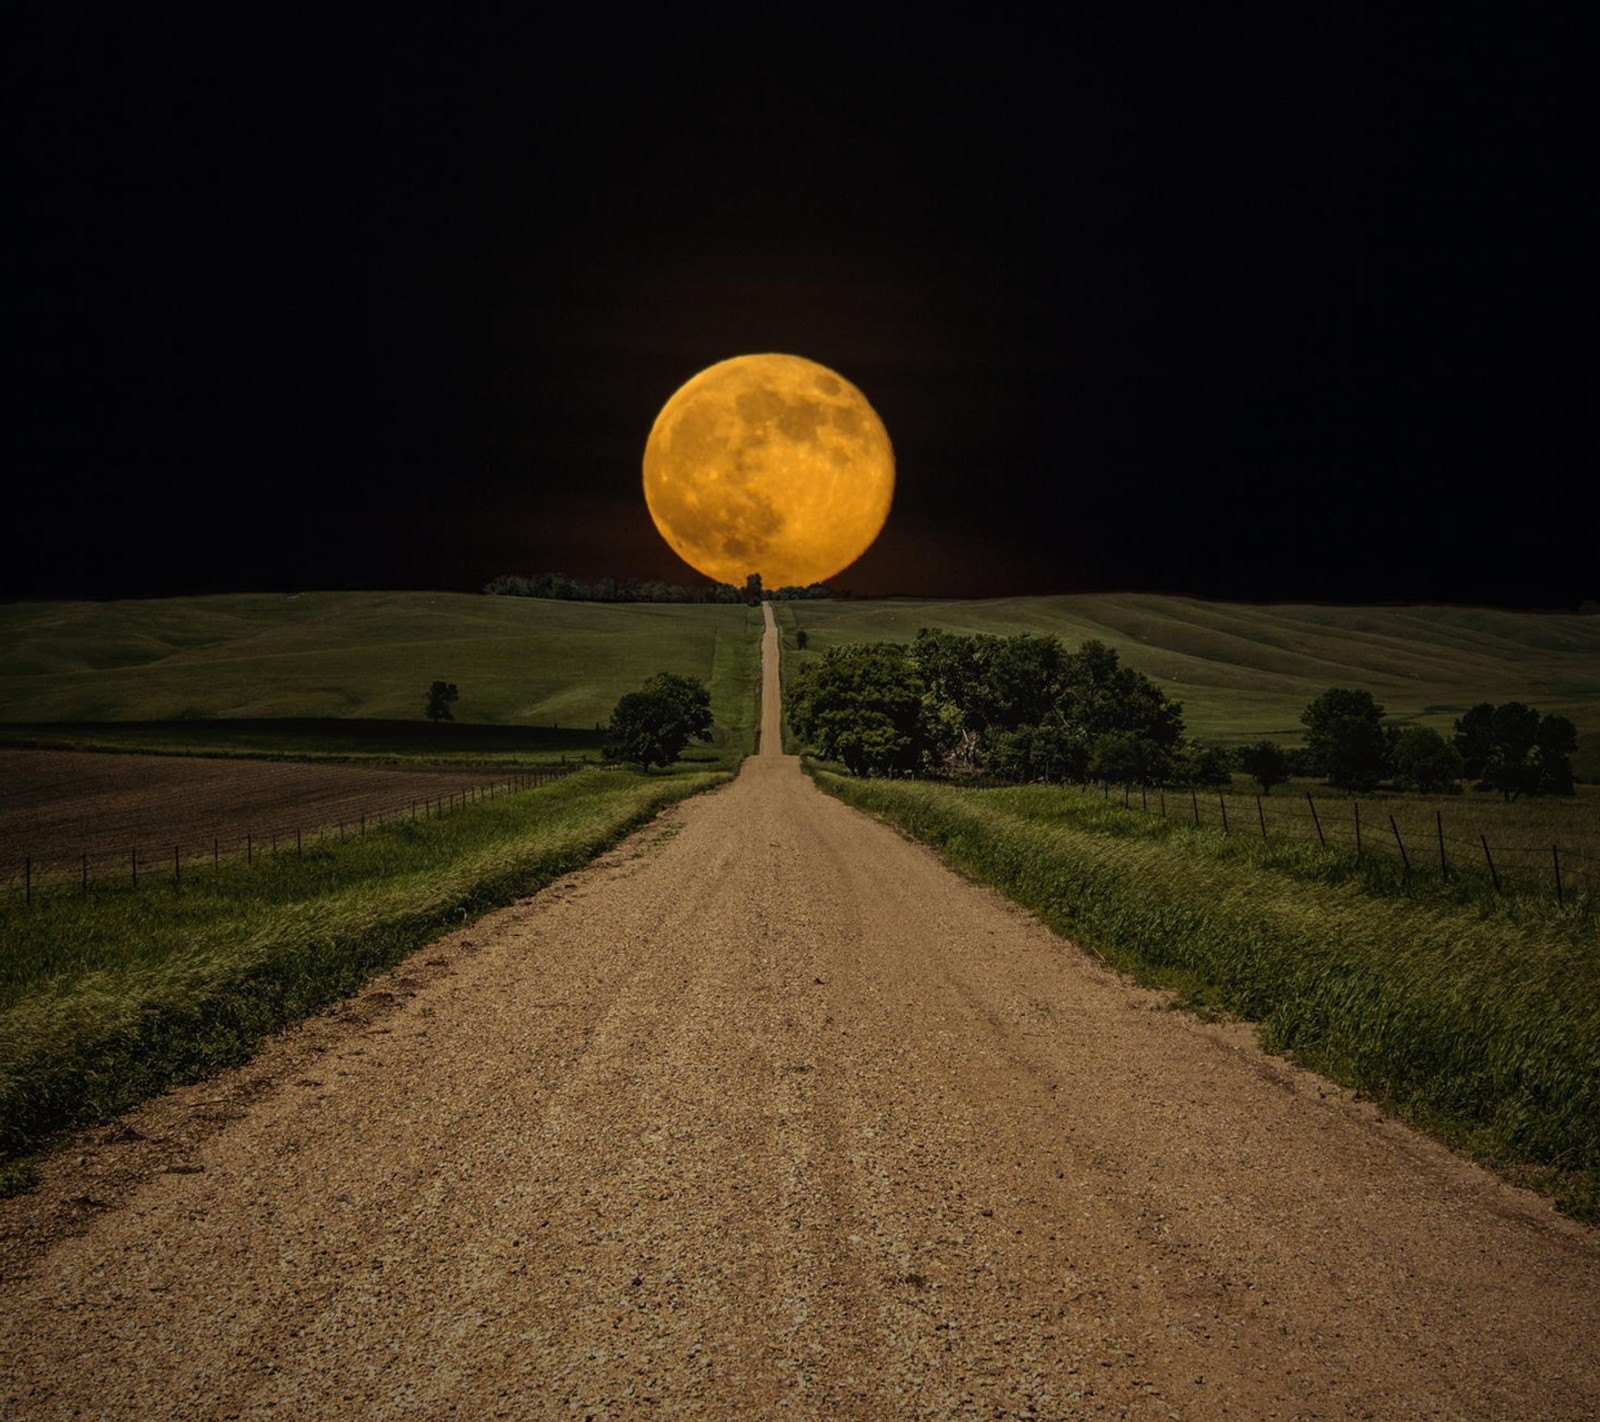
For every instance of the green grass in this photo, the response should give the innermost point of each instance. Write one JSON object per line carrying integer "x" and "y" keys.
{"x": 1479, "y": 1020}
{"x": 252, "y": 660}
{"x": 1520, "y": 835}
{"x": 302, "y": 739}
{"x": 108, "y": 996}
{"x": 1245, "y": 671}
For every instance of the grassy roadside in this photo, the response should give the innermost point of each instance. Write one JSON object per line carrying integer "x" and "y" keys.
{"x": 1479, "y": 1022}
{"x": 107, "y": 998}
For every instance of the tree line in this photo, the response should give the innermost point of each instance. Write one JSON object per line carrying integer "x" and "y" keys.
{"x": 1025, "y": 708}
{"x": 560, "y": 587}
{"x": 1511, "y": 749}
{"x": 1017, "y": 708}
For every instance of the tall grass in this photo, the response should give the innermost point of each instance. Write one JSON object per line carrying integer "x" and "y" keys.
{"x": 1480, "y": 1021}
{"x": 109, "y": 996}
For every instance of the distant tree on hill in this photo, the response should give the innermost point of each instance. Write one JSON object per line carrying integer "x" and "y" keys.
{"x": 1425, "y": 762}
{"x": 441, "y": 695}
{"x": 1345, "y": 739}
{"x": 1266, "y": 764}
{"x": 752, "y": 589}
{"x": 654, "y": 725}
{"x": 1513, "y": 749}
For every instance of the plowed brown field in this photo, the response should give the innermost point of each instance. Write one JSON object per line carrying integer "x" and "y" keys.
{"x": 767, "y": 1114}
{"x": 56, "y": 806}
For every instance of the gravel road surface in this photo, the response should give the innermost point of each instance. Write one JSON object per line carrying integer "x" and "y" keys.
{"x": 768, "y": 1114}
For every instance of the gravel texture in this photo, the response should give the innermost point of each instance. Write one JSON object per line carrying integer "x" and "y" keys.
{"x": 768, "y": 1114}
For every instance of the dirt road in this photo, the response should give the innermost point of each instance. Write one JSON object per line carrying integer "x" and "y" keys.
{"x": 767, "y": 1114}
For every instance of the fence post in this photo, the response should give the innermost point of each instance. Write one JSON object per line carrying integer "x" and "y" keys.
{"x": 1316, "y": 820}
{"x": 1555, "y": 858}
{"x": 1127, "y": 795}
{"x": 1194, "y": 797}
{"x": 1261, "y": 815}
{"x": 1444, "y": 866}
{"x": 1403, "y": 858}
{"x": 1492, "y": 872}
{"x": 1224, "y": 805}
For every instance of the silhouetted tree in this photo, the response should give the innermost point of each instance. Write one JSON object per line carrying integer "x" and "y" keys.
{"x": 1266, "y": 764}
{"x": 1425, "y": 762}
{"x": 1513, "y": 749}
{"x": 1345, "y": 739}
{"x": 441, "y": 695}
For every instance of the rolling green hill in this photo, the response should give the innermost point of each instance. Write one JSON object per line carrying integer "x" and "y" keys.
{"x": 1245, "y": 671}
{"x": 1241, "y": 671}
{"x": 366, "y": 656}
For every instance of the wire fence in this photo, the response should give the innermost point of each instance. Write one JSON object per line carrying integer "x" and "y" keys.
{"x": 1432, "y": 845}
{"x": 148, "y": 863}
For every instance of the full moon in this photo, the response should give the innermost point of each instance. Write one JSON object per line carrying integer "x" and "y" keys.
{"x": 768, "y": 464}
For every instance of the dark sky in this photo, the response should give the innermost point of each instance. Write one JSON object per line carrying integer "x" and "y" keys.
{"x": 1294, "y": 308}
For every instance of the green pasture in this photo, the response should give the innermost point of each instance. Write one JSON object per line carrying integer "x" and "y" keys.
{"x": 1245, "y": 671}
{"x": 1473, "y": 1016}
{"x": 345, "y": 673}
{"x": 111, "y": 994}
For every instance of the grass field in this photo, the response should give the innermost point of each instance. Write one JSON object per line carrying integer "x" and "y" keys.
{"x": 1520, "y": 836}
{"x": 1480, "y": 1020}
{"x": 1245, "y": 671}
{"x": 110, "y": 995}
{"x": 345, "y": 674}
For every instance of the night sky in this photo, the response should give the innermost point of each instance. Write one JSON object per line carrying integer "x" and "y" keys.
{"x": 1294, "y": 308}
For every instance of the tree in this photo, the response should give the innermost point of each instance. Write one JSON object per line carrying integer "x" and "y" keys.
{"x": 1425, "y": 762}
{"x": 1474, "y": 738}
{"x": 440, "y": 697}
{"x": 1266, "y": 764}
{"x": 654, "y": 725}
{"x": 1127, "y": 758}
{"x": 1513, "y": 749}
{"x": 863, "y": 704}
{"x": 1196, "y": 764}
{"x": 1552, "y": 752}
{"x": 1026, "y": 708}
{"x": 752, "y": 589}
{"x": 1345, "y": 739}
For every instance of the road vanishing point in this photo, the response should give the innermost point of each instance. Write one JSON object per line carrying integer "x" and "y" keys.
{"x": 768, "y": 1114}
